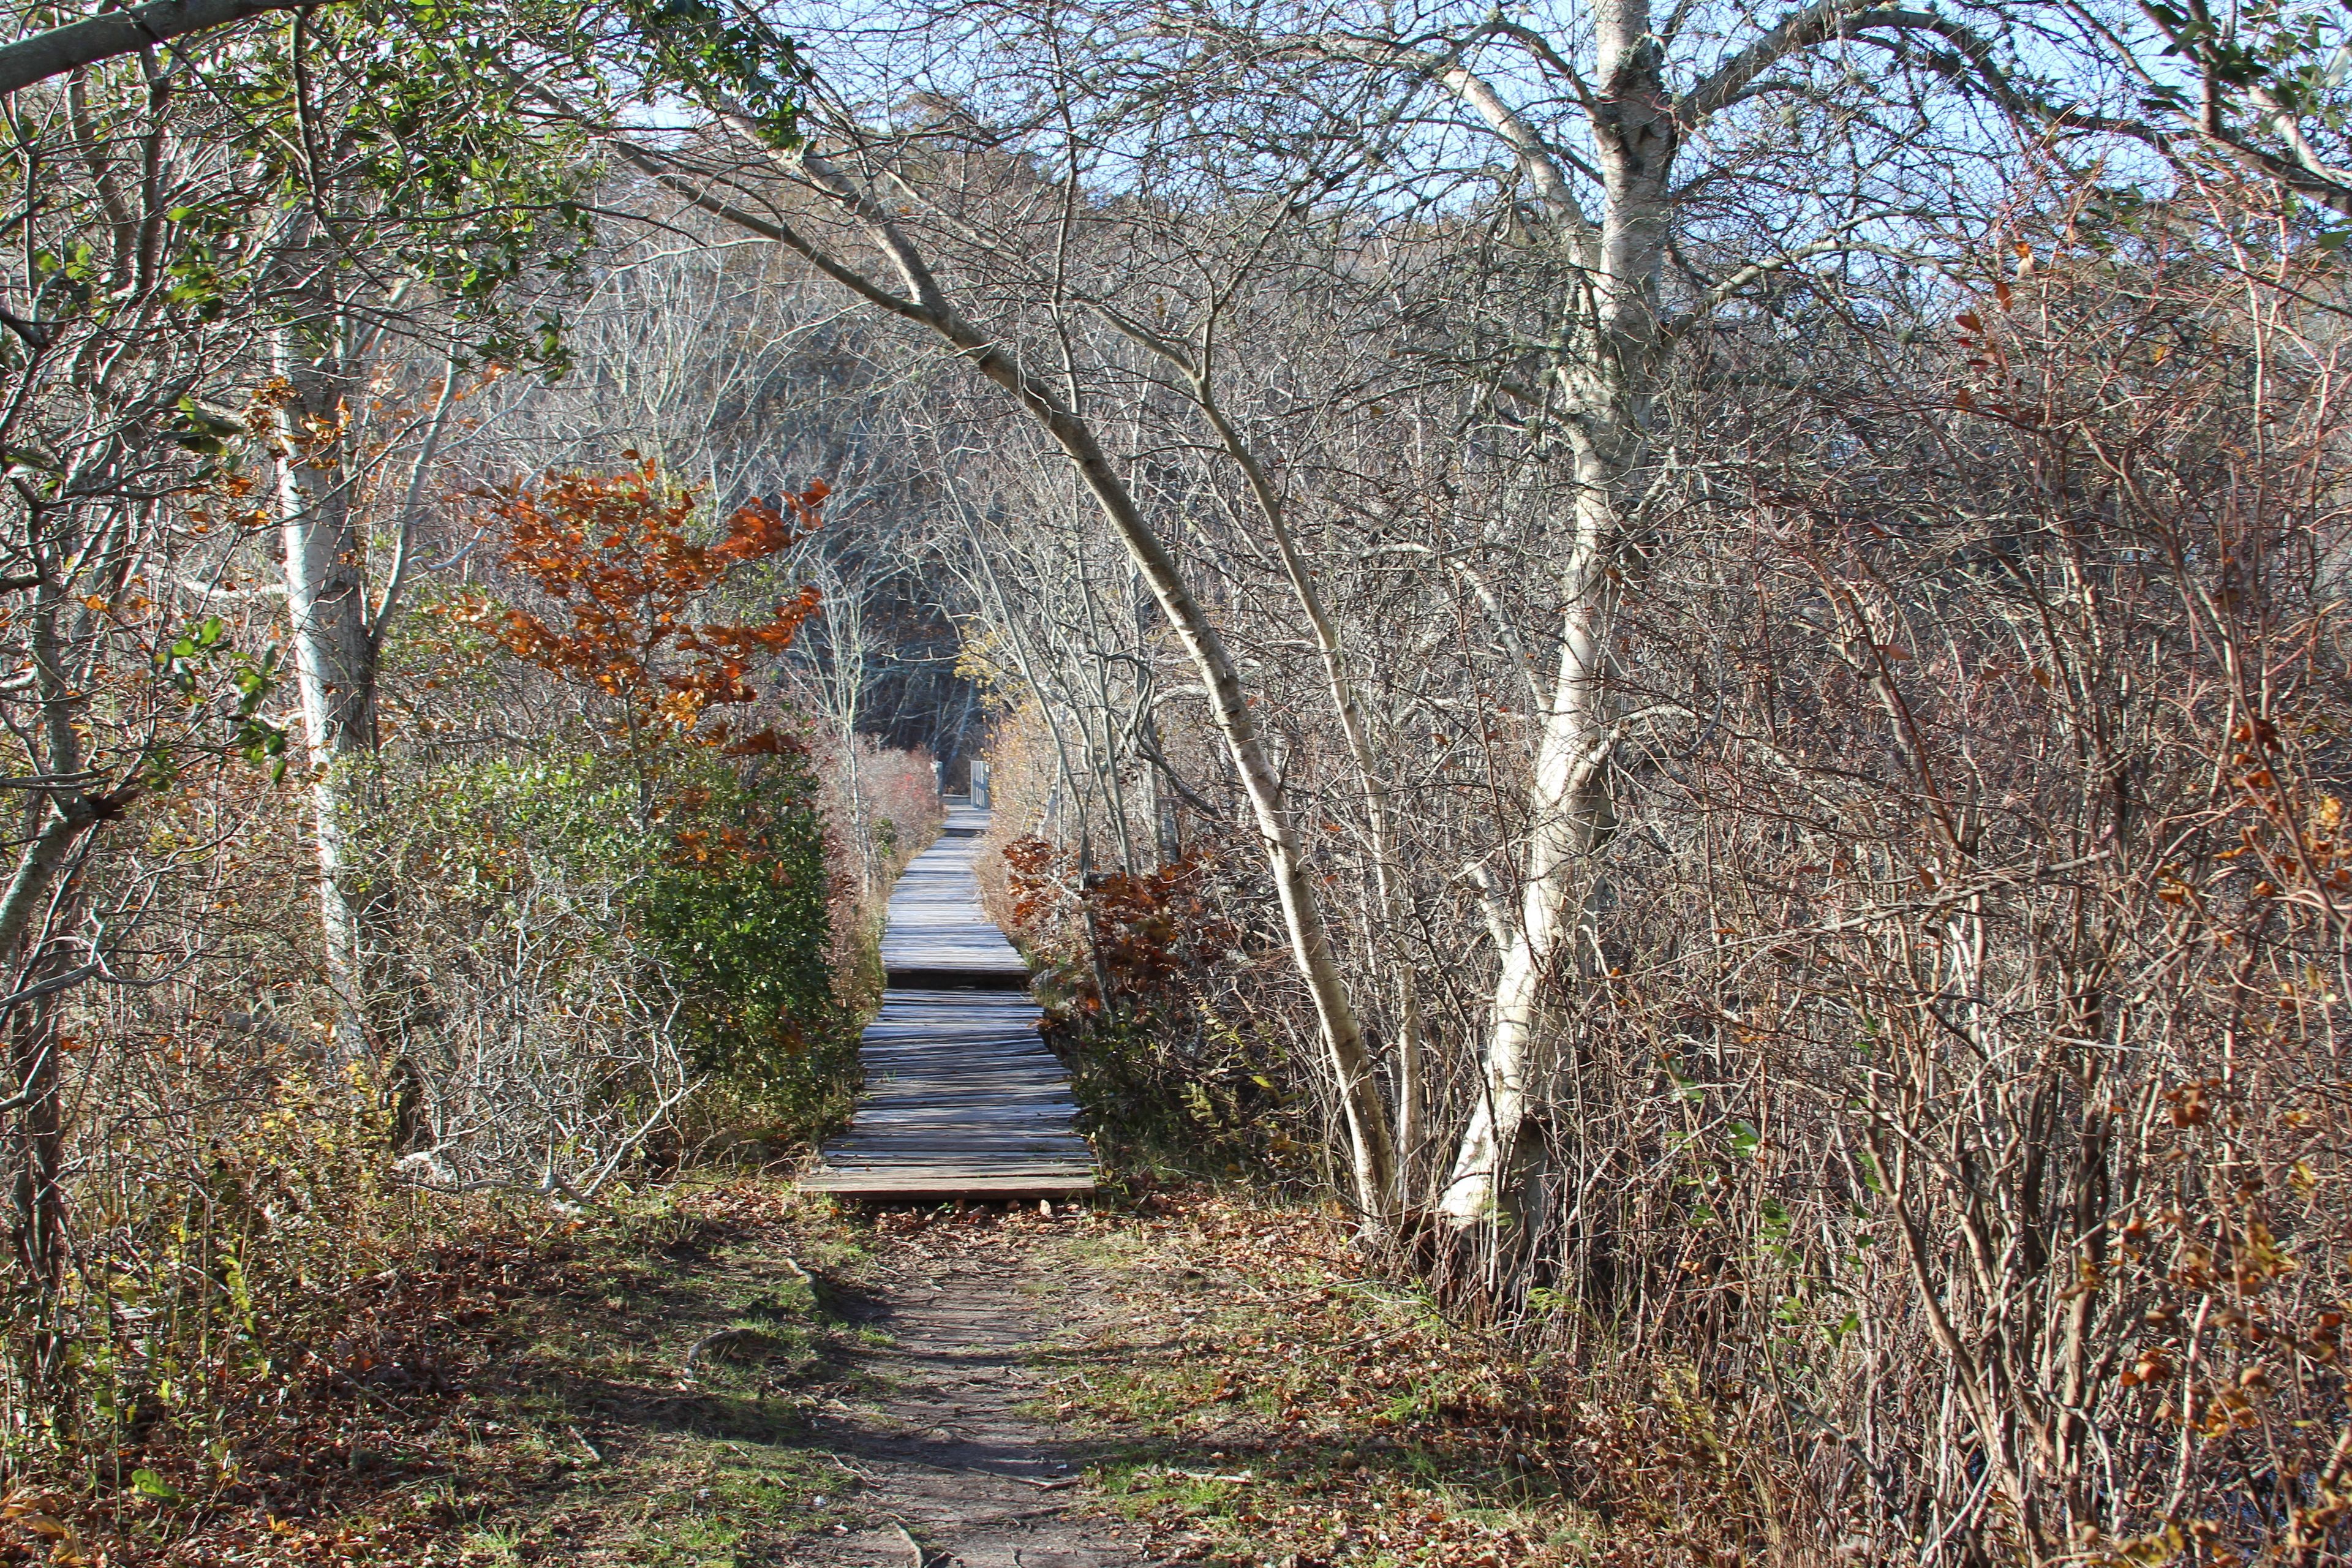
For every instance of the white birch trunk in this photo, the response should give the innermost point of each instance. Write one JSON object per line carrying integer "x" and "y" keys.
{"x": 334, "y": 652}
{"x": 1570, "y": 810}
{"x": 1605, "y": 380}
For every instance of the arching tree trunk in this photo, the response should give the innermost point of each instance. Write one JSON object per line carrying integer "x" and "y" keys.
{"x": 1372, "y": 1145}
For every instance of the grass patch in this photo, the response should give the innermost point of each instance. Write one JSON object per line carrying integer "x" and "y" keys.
{"x": 628, "y": 1388}
{"x": 659, "y": 1405}
{"x": 1270, "y": 1397}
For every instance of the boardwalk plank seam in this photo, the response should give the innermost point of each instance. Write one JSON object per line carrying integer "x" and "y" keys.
{"x": 961, "y": 1097}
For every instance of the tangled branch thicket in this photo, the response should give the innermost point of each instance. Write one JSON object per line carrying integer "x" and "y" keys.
{"x": 1956, "y": 1086}
{"x": 1943, "y": 1107}
{"x": 1691, "y": 661}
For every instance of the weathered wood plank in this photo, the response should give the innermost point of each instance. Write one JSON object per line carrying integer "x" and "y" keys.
{"x": 938, "y": 935}
{"x": 962, "y": 1098}
{"x": 913, "y": 1186}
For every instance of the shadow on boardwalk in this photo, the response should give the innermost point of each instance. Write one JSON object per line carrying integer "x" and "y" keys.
{"x": 961, "y": 1097}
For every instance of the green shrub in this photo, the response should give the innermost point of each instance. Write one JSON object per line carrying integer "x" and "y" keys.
{"x": 710, "y": 909}
{"x": 736, "y": 913}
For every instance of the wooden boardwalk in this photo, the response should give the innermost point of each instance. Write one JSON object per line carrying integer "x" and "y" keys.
{"x": 962, "y": 1098}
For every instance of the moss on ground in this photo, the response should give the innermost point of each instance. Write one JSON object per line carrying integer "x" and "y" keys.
{"x": 648, "y": 1403}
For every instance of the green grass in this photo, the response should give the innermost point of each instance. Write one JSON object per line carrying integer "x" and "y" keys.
{"x": 589, "y": 1441}
{"x": 1244, "y": 1422}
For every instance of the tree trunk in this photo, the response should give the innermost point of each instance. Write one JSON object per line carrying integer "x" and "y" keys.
{"x": 1347, "y": 705}
{"x": 1571, "y": 808}
{"x": 334, "y": 654}
{"x": 37, "y": 899}
{"x": 1373, "y": 1143}
{"x": 1605, "y": 380}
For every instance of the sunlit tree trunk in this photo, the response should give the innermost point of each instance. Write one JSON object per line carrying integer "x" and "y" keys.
{"x": 1604, "y": 382}
{"x": 1570, "y": 807}
{"x": 334, "y": 649}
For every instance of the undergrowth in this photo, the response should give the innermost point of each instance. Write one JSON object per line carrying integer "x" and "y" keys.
{"x": 1277, "y": 1398}
{"x": 624, "y": 1387}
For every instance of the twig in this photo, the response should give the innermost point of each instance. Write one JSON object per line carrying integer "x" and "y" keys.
{"x": 1056, "y": 1484}
{"x": 921, "y": 1559}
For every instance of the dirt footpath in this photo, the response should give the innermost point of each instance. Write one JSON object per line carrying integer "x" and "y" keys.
{"x": 944, "y": 1449}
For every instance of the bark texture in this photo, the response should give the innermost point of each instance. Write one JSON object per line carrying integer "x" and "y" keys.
{"x": 1604, "y": 382}
{"x": 334, "y": 650}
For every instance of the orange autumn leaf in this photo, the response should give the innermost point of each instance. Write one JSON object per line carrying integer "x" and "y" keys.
{"x": 614, "y": 552}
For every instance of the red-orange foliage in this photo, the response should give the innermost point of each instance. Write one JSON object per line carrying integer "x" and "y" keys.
{"x": 1149, "y": 931}
{"x": 614, "y": 552}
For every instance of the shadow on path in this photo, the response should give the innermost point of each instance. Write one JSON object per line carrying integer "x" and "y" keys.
{"x": 947, "y": 1459}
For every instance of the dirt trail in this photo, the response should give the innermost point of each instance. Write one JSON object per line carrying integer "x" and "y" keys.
{"x": 945, "y": 1450}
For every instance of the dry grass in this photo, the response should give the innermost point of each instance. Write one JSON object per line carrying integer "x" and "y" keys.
{"x": 1279, "y": 1398}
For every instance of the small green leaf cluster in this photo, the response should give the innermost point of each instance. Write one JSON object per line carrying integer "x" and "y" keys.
{"x": 225, "y": 685}
{"x": 212, "y": 261}
{"x": 724, "y": 58}
{"x": 2272, "y": 58}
